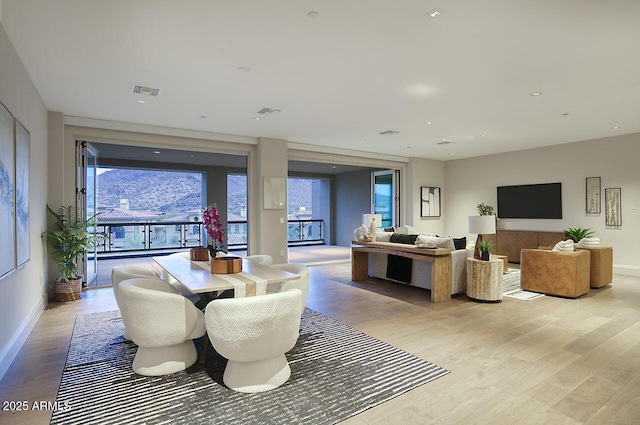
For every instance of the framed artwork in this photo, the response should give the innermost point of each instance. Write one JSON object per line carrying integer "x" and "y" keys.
{"x": 429, "y": 201}
{"x": 613, "y": 208}
{"x": 22, "y": 194}
{"x": 7, "y": 197}
{"x": 593, "y": 196}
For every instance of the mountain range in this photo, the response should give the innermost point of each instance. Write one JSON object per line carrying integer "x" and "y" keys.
{"x": 176, "y": 192}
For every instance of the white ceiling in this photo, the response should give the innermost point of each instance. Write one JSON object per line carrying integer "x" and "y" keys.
{"x": 357, "y": 69}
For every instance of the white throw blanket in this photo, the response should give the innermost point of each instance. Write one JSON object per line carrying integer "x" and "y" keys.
{"x": 588, "y": 242}
{"x": 564, "y": 246}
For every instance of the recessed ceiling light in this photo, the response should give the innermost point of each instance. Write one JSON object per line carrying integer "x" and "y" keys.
{"x": 363, "y": 140}
{"x": 244, "y": 69}
{"x": 451, "y": 154}
{"x": 535, "y": 93}
{"x": 142, "y": 101}
{"x": 313, "y": 15}
{"x": 334, "y": 167}
{"x": 257, "y": 118}
{"x": 433, "y": 13}
{"x": 156, "y": 152}
{"x": 615, "y": 127}
{"x": 483, "y": 135}
{"x": 428, "y": 123}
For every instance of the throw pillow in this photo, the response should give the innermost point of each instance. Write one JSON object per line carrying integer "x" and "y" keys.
{"x": 446, "y": 243}
{"x": 460, "y": 243}
{"x": 406, "y": 239}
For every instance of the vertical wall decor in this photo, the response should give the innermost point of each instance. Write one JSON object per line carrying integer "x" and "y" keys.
{"x": 613, "y": 208}
{"x": 274, "y": 193}
{"x": 593, "y": 196}
{"x": 22, "y": 194}
{"x": 7, "y": 197}
{"x": 429, "y": 201}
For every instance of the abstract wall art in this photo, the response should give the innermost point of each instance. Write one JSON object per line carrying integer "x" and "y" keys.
{"x": 7, "y": 196}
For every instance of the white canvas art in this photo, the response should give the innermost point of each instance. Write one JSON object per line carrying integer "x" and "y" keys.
{"x": 7, "y": 198}
{"x": 22, "y": 194}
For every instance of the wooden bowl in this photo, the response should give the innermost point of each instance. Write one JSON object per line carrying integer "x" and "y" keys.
{"x": 199, "y": 254}
{"x": 226, "y": 265}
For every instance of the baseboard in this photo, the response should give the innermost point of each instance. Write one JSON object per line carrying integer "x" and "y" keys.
{"x": 10, "y": 351}
{"x": 628, "y": 270}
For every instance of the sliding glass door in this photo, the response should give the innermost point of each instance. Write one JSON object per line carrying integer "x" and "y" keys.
{"x": 86, "y": 183}
{"x": 385, "y": 196}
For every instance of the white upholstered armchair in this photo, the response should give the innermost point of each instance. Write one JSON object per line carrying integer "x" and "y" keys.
{"x": 253, "y": 333}
{"x": 162, "y": 323}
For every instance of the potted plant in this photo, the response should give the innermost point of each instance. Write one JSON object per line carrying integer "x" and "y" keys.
{"x": 484, "y": 209}
{"x": 485, "y": 247}
{"x": 69, "y": 240}
{"x": 575, "y": 234}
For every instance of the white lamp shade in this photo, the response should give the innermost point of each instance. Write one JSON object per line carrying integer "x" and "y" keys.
{"x": 366, "y": 219}
{"x": 482, "y": 224}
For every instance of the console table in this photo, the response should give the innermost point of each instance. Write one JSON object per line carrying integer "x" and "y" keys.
{"x": 439, "y": 257}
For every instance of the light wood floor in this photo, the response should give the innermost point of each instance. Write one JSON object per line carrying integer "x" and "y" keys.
{"x": 546, "y": 361}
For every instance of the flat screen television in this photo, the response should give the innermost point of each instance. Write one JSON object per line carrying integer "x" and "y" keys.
{"x": 530, "y": 201}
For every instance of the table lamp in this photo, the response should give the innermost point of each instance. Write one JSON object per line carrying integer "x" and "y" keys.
{"x": 368, "y": 218}
{"x": 481, "y": 224}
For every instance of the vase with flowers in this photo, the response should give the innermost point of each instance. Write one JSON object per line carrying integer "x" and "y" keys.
{"x": 213, "y": 226}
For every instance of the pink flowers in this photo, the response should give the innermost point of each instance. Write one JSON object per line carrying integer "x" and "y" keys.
{"x": 212, "y": 224}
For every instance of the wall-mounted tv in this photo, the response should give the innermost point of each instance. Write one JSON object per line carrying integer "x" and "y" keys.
{"x": 530, "y": 201}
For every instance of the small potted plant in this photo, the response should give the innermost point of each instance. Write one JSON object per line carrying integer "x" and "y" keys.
{"x": 576, "y": 234}
{"x": 69, "y": 240}
{"x": 485, "y": 247}
{"x": 484, "y": 209}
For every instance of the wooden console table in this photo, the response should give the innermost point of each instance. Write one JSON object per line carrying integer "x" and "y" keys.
{"x": 439, "y": 257}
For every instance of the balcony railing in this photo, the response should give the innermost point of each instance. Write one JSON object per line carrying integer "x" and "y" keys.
{"x": 136, "y": 237}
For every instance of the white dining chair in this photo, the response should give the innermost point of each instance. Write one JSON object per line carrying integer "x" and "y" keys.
{"x": 119, "y": 274}
{"x": 162, "y": 323}
{"x": 254, "y": 333}
{"x": 263, "y": 259}
{"x": 301, "y": 283}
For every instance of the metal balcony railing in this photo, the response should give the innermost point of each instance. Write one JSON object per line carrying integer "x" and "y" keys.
{"x": 135, "y": 237}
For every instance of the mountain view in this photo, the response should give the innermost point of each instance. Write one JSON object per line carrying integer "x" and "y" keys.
{"x": 175, "y": 193}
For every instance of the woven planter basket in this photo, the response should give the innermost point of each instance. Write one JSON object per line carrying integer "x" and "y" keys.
{"x": 68, "y": 291}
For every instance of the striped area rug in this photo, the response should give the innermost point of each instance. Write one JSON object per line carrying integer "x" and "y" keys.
{"x": 336, "y": 372}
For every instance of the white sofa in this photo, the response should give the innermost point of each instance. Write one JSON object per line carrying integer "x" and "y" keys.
{"x": 421, "y": 270}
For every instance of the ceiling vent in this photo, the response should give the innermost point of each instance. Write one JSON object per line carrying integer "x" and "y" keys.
{"x": 389, "y": 133}
{"x": 149, "y": 91}
{"x": 445, "y": 142}
{"x": 268, "y": 111}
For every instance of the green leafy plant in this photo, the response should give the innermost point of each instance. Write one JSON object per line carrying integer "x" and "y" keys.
{"x": 69, "y": 239}
{"x": 577, "y": 233}
{"x": 485, "y": 246}
{"x": 484, "y": 209}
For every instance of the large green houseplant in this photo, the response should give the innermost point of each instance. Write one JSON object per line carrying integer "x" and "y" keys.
{"x": 69, "y": 239}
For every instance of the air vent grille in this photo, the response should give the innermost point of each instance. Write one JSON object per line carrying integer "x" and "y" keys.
{"x": 268, "y": 111}
{"x": 389, "y": 132}
{"x": 149, "y": 91}
{"x": 445, "y": 142}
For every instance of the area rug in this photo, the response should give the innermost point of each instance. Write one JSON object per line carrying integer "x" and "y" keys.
{"x": 511, "y": 287}
{"x": 336, "y": 372}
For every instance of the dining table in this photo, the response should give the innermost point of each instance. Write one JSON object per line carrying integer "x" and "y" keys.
{"x": 196, "y": 276}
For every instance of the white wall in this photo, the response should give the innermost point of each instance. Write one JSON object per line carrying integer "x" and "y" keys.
{"x": 425, "y": 172}
{"x": 614, "y": 159}
{"x": 22, "y": 292}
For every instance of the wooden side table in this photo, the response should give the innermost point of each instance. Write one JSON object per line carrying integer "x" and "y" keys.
{"x": 601, "y": 265}
{"x": 504, "y": 258}
{"x": 484, "y": 279}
